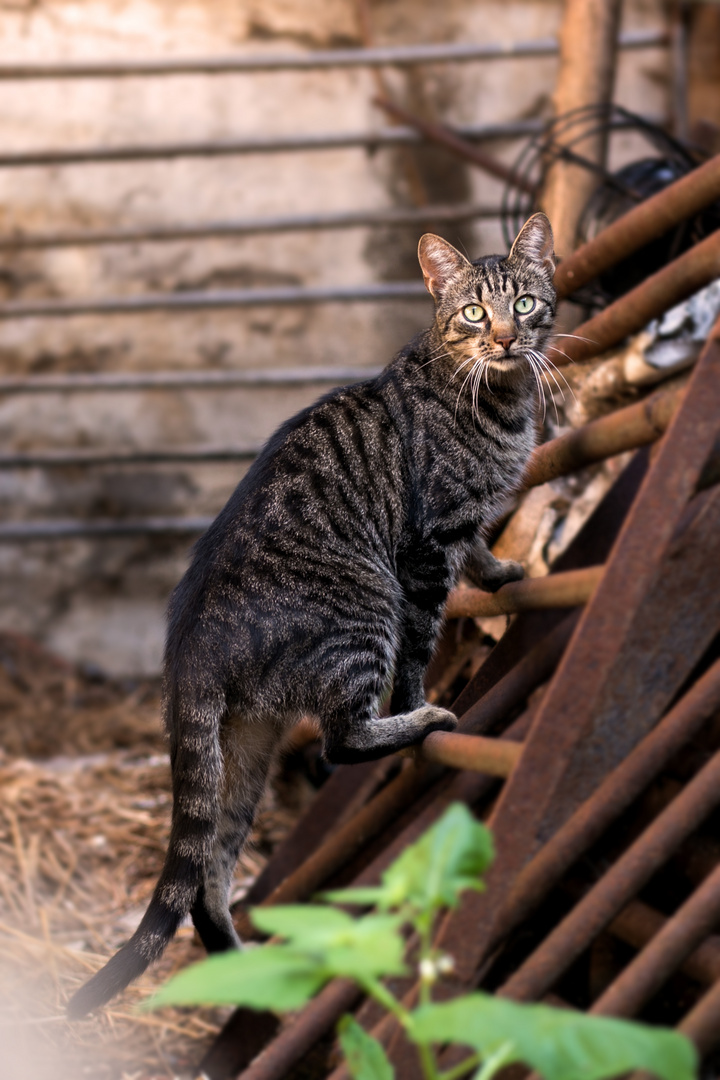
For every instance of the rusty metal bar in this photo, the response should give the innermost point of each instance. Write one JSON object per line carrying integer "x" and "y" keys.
{"x": 702, "y": 1023}
{"x": 675, "y": 942}
{"x": 348, "y": 219}
{"x": 617, "y": 888}
{"x": 215, "y": 299}
{"x": 625, "y": 429}
{"x": 395, "y": 55}
{"x": 258, "y": 144}
{"x": 639, "y": 923}
{"x": 610, "y": 800}
{"x": 643, "y": 223}
{"x": 586, "y": 75}
{"x": 662, "y": 290}
{"x": 494, "y": 757}
{"x": 181, "y": 380}
{"x": 568, "y": 589}
{"x": 451, "y": 140}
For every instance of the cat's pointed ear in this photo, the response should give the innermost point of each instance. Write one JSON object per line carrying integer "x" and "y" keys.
{"x": 440, "y": 262}
{"x": 535, "y": 243}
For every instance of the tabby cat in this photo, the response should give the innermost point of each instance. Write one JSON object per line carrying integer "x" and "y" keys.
{"x": 321, "y": 584}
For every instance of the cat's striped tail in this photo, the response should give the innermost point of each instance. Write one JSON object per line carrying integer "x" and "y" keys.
{"x": 197, "y": 775}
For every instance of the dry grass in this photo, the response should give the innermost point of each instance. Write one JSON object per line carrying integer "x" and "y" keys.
{"x": 82, "y": 840}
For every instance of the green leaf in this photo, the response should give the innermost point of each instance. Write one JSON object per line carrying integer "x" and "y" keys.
{"x": 559, "y": 1044}
{"x": 446, "y": 860}
{"x": 435, "y": 870}
{"x": 305, "y": 923}
{"x": 368, "y": 947}
{"x": 366, "y": 1059}
{"x": 269, "y": 977}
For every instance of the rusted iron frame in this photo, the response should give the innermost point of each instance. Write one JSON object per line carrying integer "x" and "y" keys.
{"x": 545, "y": 789}
{"x": 675, "y": 282}
{"x": 702, "y": 1023}
{"x": 567, "y": 589}
{"x": 669, "y": 949}
{"x": 394, "y": 55}
{"x": 625, "y": 429}
{"x": 617, "y": 887}
{"x": 452, "y": 141}
{"x": 347, "y": 219}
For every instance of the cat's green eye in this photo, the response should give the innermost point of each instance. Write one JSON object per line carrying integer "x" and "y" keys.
{"x": 474, "y": 313}
{"x": 524, "y": 305}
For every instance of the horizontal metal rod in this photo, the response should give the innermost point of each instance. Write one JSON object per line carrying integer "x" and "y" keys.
{"x": 215, "y": 299}
{"x": 649, "y": 219}
{"x": 348, "y": 219}
{"x": 625, "y": 429}
{"x": 13, "y": 531}
{"x": 61, "y": 459}
{"x": 83, "y": 382}
{"x": 455, "y": 52}
{"x": 494, "y": 757}
{"x": 566, "y": 589}
{"x": 260, "y": 144}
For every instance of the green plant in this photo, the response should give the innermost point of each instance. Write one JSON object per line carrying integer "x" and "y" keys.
{"x": 321, "y": 942}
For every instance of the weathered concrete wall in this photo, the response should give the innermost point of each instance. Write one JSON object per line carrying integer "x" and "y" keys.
{"x": 102, "y": 601}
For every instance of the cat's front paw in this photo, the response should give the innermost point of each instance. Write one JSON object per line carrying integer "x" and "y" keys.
{"x": 504, "y": 571}
{"x": 432, "y": 718}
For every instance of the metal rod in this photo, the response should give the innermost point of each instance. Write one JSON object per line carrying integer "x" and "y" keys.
{"x": 702, "y": 1023}
{"x": 610, "y": 800}
{"x": 493, "y": 757}
{"x": 676, "y": 941}
{"x": 348, "y": 219}
{"x": 259, "y": 144}
{"x": 455, "y": 52}
{"x": 619, "y": 885}
{"x": 181, "y": 380}
{"x": 625, "y": 429}
{"x": 649, "y": 219}
{"x": 633, "y": 311}
{"x": 14, "y": 531}
{"x": 568, "y": 589}
{"x": 450, "y": 140}
{"x": 639, "y": 923}
{"x": 59, "y": 459}
{"x": 215, "y": 299}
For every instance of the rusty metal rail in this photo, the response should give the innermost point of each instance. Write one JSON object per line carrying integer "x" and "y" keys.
{"x": 568, "y": 589}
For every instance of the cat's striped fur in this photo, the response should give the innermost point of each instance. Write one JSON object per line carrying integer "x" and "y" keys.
{"x": 322, "y": 582}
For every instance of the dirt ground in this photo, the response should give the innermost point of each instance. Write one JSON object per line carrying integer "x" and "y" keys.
{"x": 84, "y": 817}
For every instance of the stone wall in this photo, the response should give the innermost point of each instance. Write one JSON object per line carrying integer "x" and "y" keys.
{"x": 102, "y": 601}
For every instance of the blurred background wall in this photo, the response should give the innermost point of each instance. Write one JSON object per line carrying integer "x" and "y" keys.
{"x": 101, "y": 599}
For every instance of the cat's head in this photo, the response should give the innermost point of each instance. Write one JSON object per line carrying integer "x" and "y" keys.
{"x": 495, "y": 314}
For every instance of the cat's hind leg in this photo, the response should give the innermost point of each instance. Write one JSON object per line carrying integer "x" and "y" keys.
{"x": 247, "y": 753}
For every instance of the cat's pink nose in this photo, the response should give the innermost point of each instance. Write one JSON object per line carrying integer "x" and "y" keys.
{"x": 506, "y": 342}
